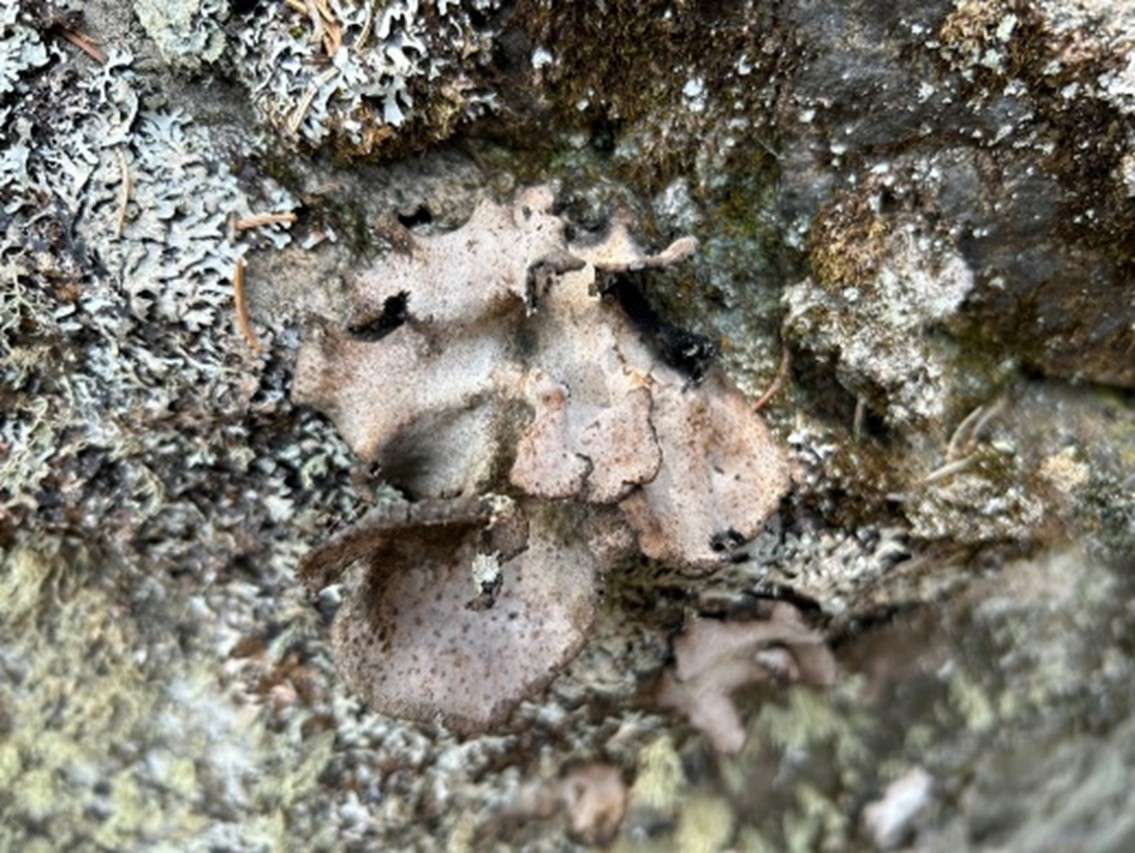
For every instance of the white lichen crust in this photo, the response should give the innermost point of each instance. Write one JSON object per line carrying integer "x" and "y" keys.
{"x": 879, "y": 332}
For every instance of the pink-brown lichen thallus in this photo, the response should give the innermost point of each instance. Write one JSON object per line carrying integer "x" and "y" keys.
{"x": 546, "y": 428}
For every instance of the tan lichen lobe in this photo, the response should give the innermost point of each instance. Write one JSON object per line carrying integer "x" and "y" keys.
{"x": 409, "y": 644}
{"x": 495, "y": 359}
{"x": 713, "y": 660}
{"x": 504, "y": 525}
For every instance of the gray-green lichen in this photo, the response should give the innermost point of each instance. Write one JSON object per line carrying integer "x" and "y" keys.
{"x": 115, "y": 738}
{"x": 120, "y": 235}
{"x": 365, "y": 76}
{"x": 188, "y": 33}
{"x": 20, "y": 50}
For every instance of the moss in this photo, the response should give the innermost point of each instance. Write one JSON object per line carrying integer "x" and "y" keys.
{"x": 847, "y": 240}
{"x": 660, "y": 777}
{"x": 105, "y": 742}
{"x": 972, "y": 27}
{"x": 650, "y": 79}
{"x": 817, "y": 822}
{"x": 806, "y": 719}
{"x": 744, "y": 208}
{"x": 969, "y": 698}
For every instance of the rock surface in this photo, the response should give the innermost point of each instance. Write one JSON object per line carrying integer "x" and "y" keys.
{"x": 936, "y": 197}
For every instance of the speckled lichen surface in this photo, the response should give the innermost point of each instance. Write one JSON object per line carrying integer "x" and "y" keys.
{"x": 607, "y": 425}
{"x": 947, "y": 182}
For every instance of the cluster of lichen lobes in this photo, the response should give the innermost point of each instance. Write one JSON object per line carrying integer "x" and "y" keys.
{"x": 368, "y": 80}
{"x": 595, "y": 422}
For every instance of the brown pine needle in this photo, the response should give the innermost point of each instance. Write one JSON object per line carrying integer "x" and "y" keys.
{"x": 242, "y": 308}
{"x": 295, "y": 120}
{"x": 364, "y": 34}
{"x": 85, "y": 43}
{"x": 777, "y": 382}
{"x": 332, "y": 33}
{"x": 259, "y": 220}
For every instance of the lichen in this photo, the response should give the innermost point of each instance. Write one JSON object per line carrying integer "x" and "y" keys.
{"x": 20, "y": 51}
{"x": 227, "y": 726}
{"x": 713, "y": 660}
{"x": 188, "y": 33}
{"x": 78, "y": 691}
{"x": 706, "y": 825}
{"x": 365, "y": 77}
{"x": 141, "y": 213}
{"x": 872, "y": 317}
{"x": 605, "y": 405}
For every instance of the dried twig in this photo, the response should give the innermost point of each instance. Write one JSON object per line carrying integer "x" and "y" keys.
{"x": 85, "y": 43}
{"x": 124, "y": 193}
{"x": 368, "y": 23}
{"x": 261, "y": 219}
{"x": 242, "y": 308}
{"x": 777, "y": 383}
{"x": 298, "y": 114}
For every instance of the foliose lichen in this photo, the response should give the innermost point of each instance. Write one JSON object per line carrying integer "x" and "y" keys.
{"x": 189, "y": 34}
{"x": 365, "y": 76}
{"x": 121, "y": 231}
{"x": 501, "y": 357}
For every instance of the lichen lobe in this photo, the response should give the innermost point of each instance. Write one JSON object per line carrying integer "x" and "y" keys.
{"x": 410, "y": 645}
{"x": 491, "y": 361}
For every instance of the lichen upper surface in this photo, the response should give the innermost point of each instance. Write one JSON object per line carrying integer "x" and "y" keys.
{"x": 494, "y": 358}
